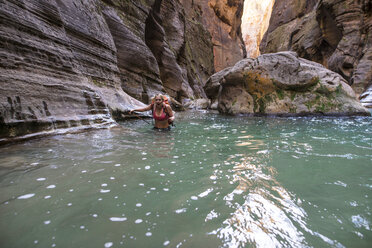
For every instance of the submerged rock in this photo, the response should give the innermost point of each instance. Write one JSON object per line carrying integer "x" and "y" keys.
{"x": 282, "y": 84}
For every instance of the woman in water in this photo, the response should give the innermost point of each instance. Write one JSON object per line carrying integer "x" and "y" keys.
{"x": 161, "y": 112}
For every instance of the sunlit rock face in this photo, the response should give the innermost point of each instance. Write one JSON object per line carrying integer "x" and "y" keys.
{"x": 337, "y": 34}
{"x": 222, "y": 18}
{"x": 282, "y": 84}
{"x": 255, "y": 21}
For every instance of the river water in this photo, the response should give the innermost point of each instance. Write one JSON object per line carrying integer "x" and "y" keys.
{"x": 212, "y": 181}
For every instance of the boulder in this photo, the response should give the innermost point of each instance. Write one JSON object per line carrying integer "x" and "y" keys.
{"x": 335, "y": 33}
{"x": 282, "y": 84}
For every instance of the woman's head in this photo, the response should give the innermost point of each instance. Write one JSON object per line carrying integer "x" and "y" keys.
{"x": 159, "y": 98}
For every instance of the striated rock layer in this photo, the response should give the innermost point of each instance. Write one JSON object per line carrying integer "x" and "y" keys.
{"x": 70, "y": 65}
{"x": 282, "y": 84}
{"x": 335, "y": 33}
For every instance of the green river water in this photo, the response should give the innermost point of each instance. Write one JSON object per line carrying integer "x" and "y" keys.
{"x": 212, "y": 181}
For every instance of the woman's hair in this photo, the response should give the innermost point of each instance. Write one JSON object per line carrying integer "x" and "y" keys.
{"x": 158, "y": 95}
{"x": 163, "y": 98}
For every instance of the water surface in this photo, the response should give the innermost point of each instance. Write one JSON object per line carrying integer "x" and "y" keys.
{"x": 212, "y": 181}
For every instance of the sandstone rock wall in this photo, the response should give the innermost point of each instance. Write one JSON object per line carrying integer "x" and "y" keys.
{"x": 336, "y": 33}
{"x": 69, "y": 65}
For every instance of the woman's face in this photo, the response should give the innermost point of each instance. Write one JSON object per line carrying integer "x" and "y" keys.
{"x": 158, "y": 100}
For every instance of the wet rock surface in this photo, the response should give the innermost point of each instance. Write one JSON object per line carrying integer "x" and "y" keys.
{"x": 282, "y": 84}
{"x": 337, "y": 34}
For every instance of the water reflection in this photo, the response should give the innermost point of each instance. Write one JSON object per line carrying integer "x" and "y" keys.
{"x": 269, "y": 215}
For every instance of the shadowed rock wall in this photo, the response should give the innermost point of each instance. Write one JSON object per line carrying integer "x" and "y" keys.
{"x": 337, "y": 34}
{"x": 70, "y": 65}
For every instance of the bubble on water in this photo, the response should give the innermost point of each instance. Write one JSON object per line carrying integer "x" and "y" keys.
{"x": 36, "y": 241}
{"x": 118, "y": 219}
{"x": 116, "y": 197}
{"x": 124, "y": 185}
{"x": 112, "y": 178}
{"x": 153, "y": 188}
{"x": 175, "y": 157}
{"x": 95, "y": 215}
{"x": 205, "y": 193}
{"x": 47, "y": 222}
{"x": 181, "y": 210}
{"x": 138, "y": 205}
{"x": 166, "y": 189}
{"x": 69, "y": 204}
{"x": 51, "y": 186}
{"x": 148, "y": 234}
{"x": 41, "y": 179}
{"x": 143, "y": 153}
{"x": 83, "y": 171}
{"x": 82, "y": 227}
{"x": 148, "y": 213}
{"x": 117, "y": 165}
{"x": 353, "y": 203}
{"x": 194, "y": 198}
{"x": 172, "y": 172}
{"x": 105, "y": 191}
{"x": 173, "y": 162}
{"x": 138, "y": 221}
{"x": 147, "y": 167}
{"x": 104, "y": 184}
{"x": 162, "y": 175}
{"x": 144, "y": 158}
{"x": 108, "y": 244}
{"x": 213, "y": 177}
{"x": 141, "y": 184}
{"x": 71, "y": 190}
{"x": 166, "y": 243}
{"x": 99, "y": 199}
{"x": 33, "y": 164}
{"x": 27, "y": 196}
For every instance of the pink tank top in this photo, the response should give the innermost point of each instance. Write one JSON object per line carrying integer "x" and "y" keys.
{"x": 163, "y": 115}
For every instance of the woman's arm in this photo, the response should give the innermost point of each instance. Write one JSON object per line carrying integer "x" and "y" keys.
{"x": 170, "y": 113}
{"x": 141, "y": 109}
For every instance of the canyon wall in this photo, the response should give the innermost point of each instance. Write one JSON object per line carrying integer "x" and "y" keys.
{"x": 69, "y": 65}
{"x": 337, "y": 34}
{"x": 255, "y": 21}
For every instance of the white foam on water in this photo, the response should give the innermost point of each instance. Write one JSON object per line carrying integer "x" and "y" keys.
{"x": 47, "y": 222}
{"x": 104, "y": 184}
{"x": 147, "y": 167}
{"x": 108, "y": 244}
{"x": 153, "y": 188}
{"x": 112, "y": 178}
{"x": 213, "y": 177}
{"x": 138, "y": 205}
{"x": 175, "y": 156}
{"x": 51, "y": 186}
{"x": 162, "y": 175}
{"x": 82, "y": 227}
{"x": 166, "y": 189}
{"x": 173, "y": 162}
{"x": 181, "y": 210}
{"x": 194, "y": 198}
{"x": 141, "y": 184}
{"x": 71, "y": 190}
{"x": 205, "y": 193}
{"x": 33, "y": 164}
{"x": 47, "y": 197}
{"x": 41, "y": 179}
{"x": 95, "y": 215}
{"x": 105, "y": 191}
{"x": 172, "y": 172}
{"x": 148, "y": 213}
{"x": 69, "y": 204}
{"x": 166, "y": 243}
{"x": 144, "y": 158}
{"x": 83, "y": 171}
{"x": 118, "y": 219}
{"x": 27, "y": 196}
{"x": 138, "y": 221}
{"x": 148, "y": 234}
{"x": 117, "y": 165}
